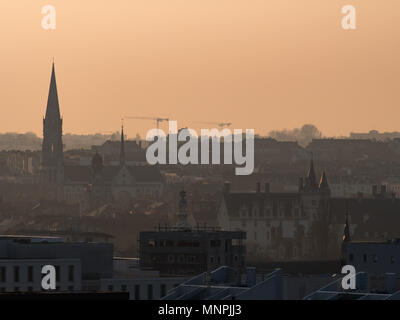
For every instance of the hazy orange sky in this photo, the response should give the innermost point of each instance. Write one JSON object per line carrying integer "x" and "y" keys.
{"x": 262, "y": 64}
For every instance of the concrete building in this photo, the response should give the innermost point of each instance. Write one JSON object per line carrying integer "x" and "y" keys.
{"x": 222, "y": 284}
{"x": 374, "y": 257}
{"x": 22, "y": 258}
{"x": 143, "y": 288}
{"x": 387, "y": 288}
{"x": 185, "y": 250}
{"x": 24, "y": 275}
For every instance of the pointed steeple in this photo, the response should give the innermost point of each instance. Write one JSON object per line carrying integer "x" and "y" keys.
{"x": 323, "y": 184}
{"x": 122, "y": 153}
{"x": 53, "y": 108}
{"x": 311, "y": 183}
{"x": 346, "y": 232}
{"x": 345, "y": 239}
{"x": 52, "y": 146}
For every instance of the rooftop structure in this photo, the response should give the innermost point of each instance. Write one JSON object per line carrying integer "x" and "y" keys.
{"x": 184, "y": 250}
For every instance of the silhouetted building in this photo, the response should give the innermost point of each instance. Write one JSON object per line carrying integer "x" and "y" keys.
{"x": 52, "y": 146}
{"x": 85, "y": 184}
{"x": 184, "y": 250}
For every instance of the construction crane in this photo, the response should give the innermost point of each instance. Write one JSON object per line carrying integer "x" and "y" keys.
{"x": 158, "y": 120}
{"x": 219, "y": 124}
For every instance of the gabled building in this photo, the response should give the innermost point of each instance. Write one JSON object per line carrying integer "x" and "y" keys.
{"x": 282, "y": 226}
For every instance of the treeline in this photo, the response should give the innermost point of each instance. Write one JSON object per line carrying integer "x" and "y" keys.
{"x": 303, "y": 135}
{"x": 30, "y": 141}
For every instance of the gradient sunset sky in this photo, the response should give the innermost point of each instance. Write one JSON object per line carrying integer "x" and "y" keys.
{"x": 262, "y": 64}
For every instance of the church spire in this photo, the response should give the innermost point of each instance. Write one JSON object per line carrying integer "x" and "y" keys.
{"x": 311, "y": 184}
{"x": 122, "y": 153}
{"x": 346, "y": 232}
{"x": 323, "y": 184}
{"x": 52, "y": 146}
{"x": 53, "y": 108}
{"x": 346, "y": 238}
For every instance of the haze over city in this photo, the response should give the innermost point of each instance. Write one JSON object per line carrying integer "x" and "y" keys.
{"x": 270, "y": 65}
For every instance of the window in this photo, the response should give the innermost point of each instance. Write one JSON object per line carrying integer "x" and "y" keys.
{"x": 364, "y": 257}
{"x": 150, "y": 292}
{"x": 151, "y": 243}
{"x": 374, "y": 258}
{"x": 137, "y": 292}
{"x": 314, "y": 203}
{"x": 30, "y": 273}
{"x": 30, "y": 289}
{"x": 110, "y": 287}
{"x": 212, "y": 259}
{"x": 70, "y": 273}
{"x": 227, "y": 243}
{"x": 123, "y": 287}
{"x": 2, "y": 274}
{"x": 215, "y": 243}
{"x": 188, "y": 243}
{"x": 392, "y": 260}
{"x": 57, "y": 273}
{"x": 163, "y": 290}
{"x": 351, "y": 257}
{"x": 16, "y": 274}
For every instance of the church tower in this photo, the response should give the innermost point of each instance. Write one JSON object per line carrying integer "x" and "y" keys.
{"x": 52, "y": 147}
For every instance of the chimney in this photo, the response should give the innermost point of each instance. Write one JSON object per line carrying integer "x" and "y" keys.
{"x": 258, "y": 187}
{"x": 267, "y": 187}
{"x": 227, "y": 187}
